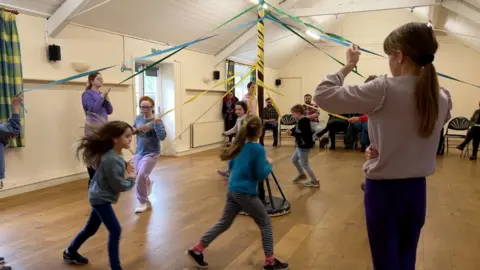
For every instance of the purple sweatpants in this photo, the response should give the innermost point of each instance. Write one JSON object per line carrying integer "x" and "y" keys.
{"x": 395, "y": 212}
{"x": 143, "y": 167}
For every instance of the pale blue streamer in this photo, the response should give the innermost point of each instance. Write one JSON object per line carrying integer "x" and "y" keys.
{"x": 134, "y": 60}
{"x": 66, "y": 79}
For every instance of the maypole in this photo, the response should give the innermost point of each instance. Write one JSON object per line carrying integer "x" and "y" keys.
{"x": 260, "y": 59}
{"x": 275, "y": 206}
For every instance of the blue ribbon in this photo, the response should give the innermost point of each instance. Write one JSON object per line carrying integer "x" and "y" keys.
{"x": 135, "y": 60}
{"x": 66, "y": 79}
{"x": 454, "y": 79}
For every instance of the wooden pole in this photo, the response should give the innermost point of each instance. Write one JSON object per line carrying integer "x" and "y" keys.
{"x": 260, "y": 61}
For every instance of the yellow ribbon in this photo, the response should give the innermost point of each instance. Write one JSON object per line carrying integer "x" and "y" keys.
{"x": 213, "y": 105}
{"x": 274, "y": 104}
{"x": 270, "y": 89}
{"x": 193, "y": 98}
{"x": 336, "y": 115}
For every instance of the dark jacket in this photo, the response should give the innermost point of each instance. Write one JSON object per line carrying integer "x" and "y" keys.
{"x": 228, "y": 112}
{"x": 303, "y": 133}
{"x": 475, "y": 120}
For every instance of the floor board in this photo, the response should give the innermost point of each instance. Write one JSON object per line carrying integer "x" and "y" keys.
{"x": 325, "y": 229}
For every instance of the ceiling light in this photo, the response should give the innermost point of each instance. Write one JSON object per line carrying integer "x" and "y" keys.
{"x": 265, "y": 6}
{"x": 312, "y": 34}
{"x": 256, "y": 2}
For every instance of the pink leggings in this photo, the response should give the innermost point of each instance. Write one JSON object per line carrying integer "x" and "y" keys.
{"x": 143, "y": 167}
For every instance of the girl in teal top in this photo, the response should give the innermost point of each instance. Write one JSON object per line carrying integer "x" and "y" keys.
{"x": 248, "y": 165}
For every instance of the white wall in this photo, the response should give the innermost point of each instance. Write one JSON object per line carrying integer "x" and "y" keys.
{"x": 55, "y": 116}
{"x": 452, "y": 58}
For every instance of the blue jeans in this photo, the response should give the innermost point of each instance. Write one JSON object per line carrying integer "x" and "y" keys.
{"x": 274, "y": 128}
{"x": 101, "y": 213}
{"x": 352, "y": 131}
{"x": 395, "y": 212}
{"x": 300, "y": 160}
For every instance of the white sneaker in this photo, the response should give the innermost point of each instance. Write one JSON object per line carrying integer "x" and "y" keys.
{"x": 149, "y": 190}
{"x": 142, "y": 208}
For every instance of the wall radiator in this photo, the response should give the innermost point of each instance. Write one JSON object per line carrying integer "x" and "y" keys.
{"x": 206, "y": 133}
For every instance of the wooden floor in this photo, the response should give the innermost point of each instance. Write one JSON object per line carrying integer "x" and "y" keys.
{"x": 325, "y": 229}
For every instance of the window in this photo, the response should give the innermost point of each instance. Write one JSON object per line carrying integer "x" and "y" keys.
{"x": 146, "y": 84}
{"x": 241, "y": 70}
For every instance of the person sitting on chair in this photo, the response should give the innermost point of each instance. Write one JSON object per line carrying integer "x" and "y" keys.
{"x": 271, "y": 120}
{"x": 355, "y": 126}
{"x": 334, "y": 125}
{"x": 473, "y": 133}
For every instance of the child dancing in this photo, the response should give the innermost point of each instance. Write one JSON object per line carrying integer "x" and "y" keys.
{"x": 148, "y": 150}
{"x": 103, "y": 151}
{"x": 304, "y": 143}
{"x": 240, "y": 111}
{"x": 248, "y": 165}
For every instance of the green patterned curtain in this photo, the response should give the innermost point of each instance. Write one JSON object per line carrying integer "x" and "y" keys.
{"x": 11, "y": 78}
{"x": 253, "y": 76}
{"x": 230, "y": 73}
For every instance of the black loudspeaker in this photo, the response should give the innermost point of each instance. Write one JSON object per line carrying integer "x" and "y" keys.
{"x": 278, "y": 82}
{"x": 54, "y": 53}
{"x": 216, "y": 75}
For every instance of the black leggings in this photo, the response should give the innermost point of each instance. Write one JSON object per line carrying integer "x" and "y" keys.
{"x": 261, "y": 191}
{"x": 472, "y": 134}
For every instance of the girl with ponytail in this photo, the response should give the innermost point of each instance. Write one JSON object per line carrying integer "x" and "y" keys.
{"x": 406, "y": 114}
{"x": 249, "y": 165}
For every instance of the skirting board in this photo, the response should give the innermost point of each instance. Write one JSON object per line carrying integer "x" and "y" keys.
{"x": 4, "y": 193}
{"x": 199, "y": 149}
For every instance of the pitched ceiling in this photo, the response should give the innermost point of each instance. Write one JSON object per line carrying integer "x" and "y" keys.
{"x": 179, "y": 21}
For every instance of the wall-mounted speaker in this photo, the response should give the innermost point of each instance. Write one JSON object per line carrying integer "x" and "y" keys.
{"x": 216, "y": 75}
{"x": 54, "y": 53}
{"x": 278, "y": 82}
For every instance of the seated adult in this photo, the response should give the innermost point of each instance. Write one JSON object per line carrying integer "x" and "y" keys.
{"x": 473, "y": 133}
{"x": 312, "y": 114}
{"x": 334, "y": 125}
{"x": 357, "y": 124}
{"x": 271, "y": 120}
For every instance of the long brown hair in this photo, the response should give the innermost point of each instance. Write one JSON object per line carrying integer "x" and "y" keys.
{"x": 418, "y": 42}
{"x": 91, "y": 148}
{"x": 91, "y": 77}
{"x": 250, "y": 129}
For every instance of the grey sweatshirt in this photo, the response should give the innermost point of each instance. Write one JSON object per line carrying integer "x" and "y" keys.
{"x": 109, "y": 180}
{"x": 235, "y": 129}
{"x": 392, "y": 122}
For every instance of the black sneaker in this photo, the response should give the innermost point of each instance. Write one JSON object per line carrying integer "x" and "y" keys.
{"x": 5, "y": 267}
{"x": 473, "y": 158}
{"x": 197, "y": 259}
{"x": 2, "y": 259}
{"x": 323, "y": 142}
{"x": 74, "y": 258}
{"x": 277, "y": 265}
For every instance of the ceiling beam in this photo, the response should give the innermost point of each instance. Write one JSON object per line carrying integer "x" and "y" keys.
{"x": 237, "y": 43}
{"x": 357, "y": 8}
{"x": 470, "y": 12}
{"x": 57, "y": 22}
{"x": 438, "y": 15}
